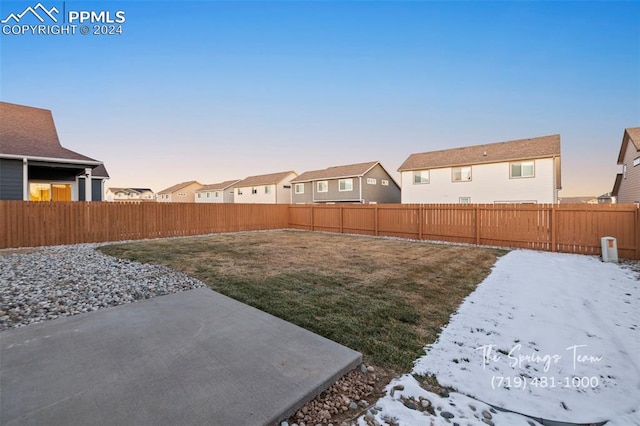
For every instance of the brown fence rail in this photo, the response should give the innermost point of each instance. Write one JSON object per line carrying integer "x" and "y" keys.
{"x": 572, "y": 228}
{"x": 31, "y": 224}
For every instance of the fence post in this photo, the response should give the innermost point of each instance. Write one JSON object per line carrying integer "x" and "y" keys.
{"x": 341, "y": 220}
{"x": 553, "y": 228}
{"x": 637, "y": 229}
{"x": 477, "y": 209}
{"x": 312, "y": 219}
{"x": 375, "y": 220}
{"x": 420, "y": 211}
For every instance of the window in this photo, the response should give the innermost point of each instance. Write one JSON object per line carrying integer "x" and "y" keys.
{"x": 298, "y": 188}
{"x": 345, "y": 185}
{"x": 254, "y": 190}
{"x": 636, "y": 161}
{"x": 461, "y": 174}
{"x": 199, "y": 195}
{"x": 624, "y": 171}
{"x": 216, "y": 194}
{"x": 384, "y": 182}
{"x": 465, "y": 200}
{"x": 239, "y": 191}
{"x": 522, "y": 169}
{"x": 267, "y": 190}
{"x": 372, "y": 181}
{"x": 420, "y": 177}
{"x": 322, "y": 186}
{"x": 49, "y": 192}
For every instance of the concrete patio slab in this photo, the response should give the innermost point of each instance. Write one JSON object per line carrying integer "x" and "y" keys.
{"x": 190, "y": 358}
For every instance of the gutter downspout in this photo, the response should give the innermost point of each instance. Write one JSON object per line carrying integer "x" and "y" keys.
{"x": 360, "y": 180}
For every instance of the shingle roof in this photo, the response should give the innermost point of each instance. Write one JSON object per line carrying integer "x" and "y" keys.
{"x": 218, "y": 186}
{"x": 269, "y": 179}
{"x": 336, "y": 172}
{"x": 178, "y": 187}
{"x": 630, "y": 134}
{"x": 100, "y": 171}
{"x": 31, "y": 132}
{"x": 522, "y": 149}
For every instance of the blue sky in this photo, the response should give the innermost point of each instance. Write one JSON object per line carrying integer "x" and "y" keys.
{"x": 213, "y": 91}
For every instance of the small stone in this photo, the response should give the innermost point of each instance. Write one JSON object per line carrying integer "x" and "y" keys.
{"x": 489, "y": 422}
{"x": 363, "y": 368}
{"x": 353, "y": 405}
{"x": 447, "y": 415}
{"x": 473, "y": 408}
{"x": 487, "y": 415}
{"x": 363, "y": 403}
{"x": 425, "y": 403}
{"x": 284, "y": 423}
{"x": 370, "y": 369}
{"x": 410, "y": 405}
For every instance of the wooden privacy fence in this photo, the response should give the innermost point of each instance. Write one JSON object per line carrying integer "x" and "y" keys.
{"x": 570, "y": 228}
{"x": 31, "y": 224}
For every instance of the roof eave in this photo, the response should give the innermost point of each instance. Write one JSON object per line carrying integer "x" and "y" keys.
{"x": 51, "y": 159}
{"x": 506, "y": 160}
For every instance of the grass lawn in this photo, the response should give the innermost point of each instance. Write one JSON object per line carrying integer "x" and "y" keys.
{"x": 384, "y": 298}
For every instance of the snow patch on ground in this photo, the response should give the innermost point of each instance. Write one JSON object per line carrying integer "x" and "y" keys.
{"x": 551, "y": 336}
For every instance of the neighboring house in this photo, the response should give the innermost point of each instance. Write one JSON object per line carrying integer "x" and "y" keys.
{"x": 274, "y": 188}
{"x": 520, "y": 171}
{"x": 578, "y": 200}
{"x": 607, "y": 198}
{"x": 355, "y": 183}
{"x": 130, "y": 194}
{"x": 222, "y": 192}
{"x": 35, "y": 166}
{"x": 184, "y": 192}
{"x": 626, "y": 188}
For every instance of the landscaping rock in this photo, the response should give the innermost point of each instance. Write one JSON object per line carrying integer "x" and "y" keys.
{"x": 51, "y": 282}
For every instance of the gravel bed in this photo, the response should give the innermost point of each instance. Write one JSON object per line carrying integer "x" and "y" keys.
{"x": 49, "y": 282}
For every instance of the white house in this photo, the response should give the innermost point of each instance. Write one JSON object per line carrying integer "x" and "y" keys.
{"x": 222, "y": 192}
{"x": 520, "y": 171}
{"x": 130, "y": 194}
{"x": 274, "y": 188}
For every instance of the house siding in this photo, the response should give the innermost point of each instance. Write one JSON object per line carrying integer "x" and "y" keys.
{"x": 11, "y": 180}
{"x": 378, "y": 193}
{"x": 81, "y": 190}
{"x": 224, "y": 196}
{"x": 629, "y": 191}
{"x": 490, "y": 183}
{"x": 258, "y": 198}
{"x": 333, "y": 193}
{"x": 306, "y": 197}
{"x": 283, "y": 195}
{"x": 278, "y": 194}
